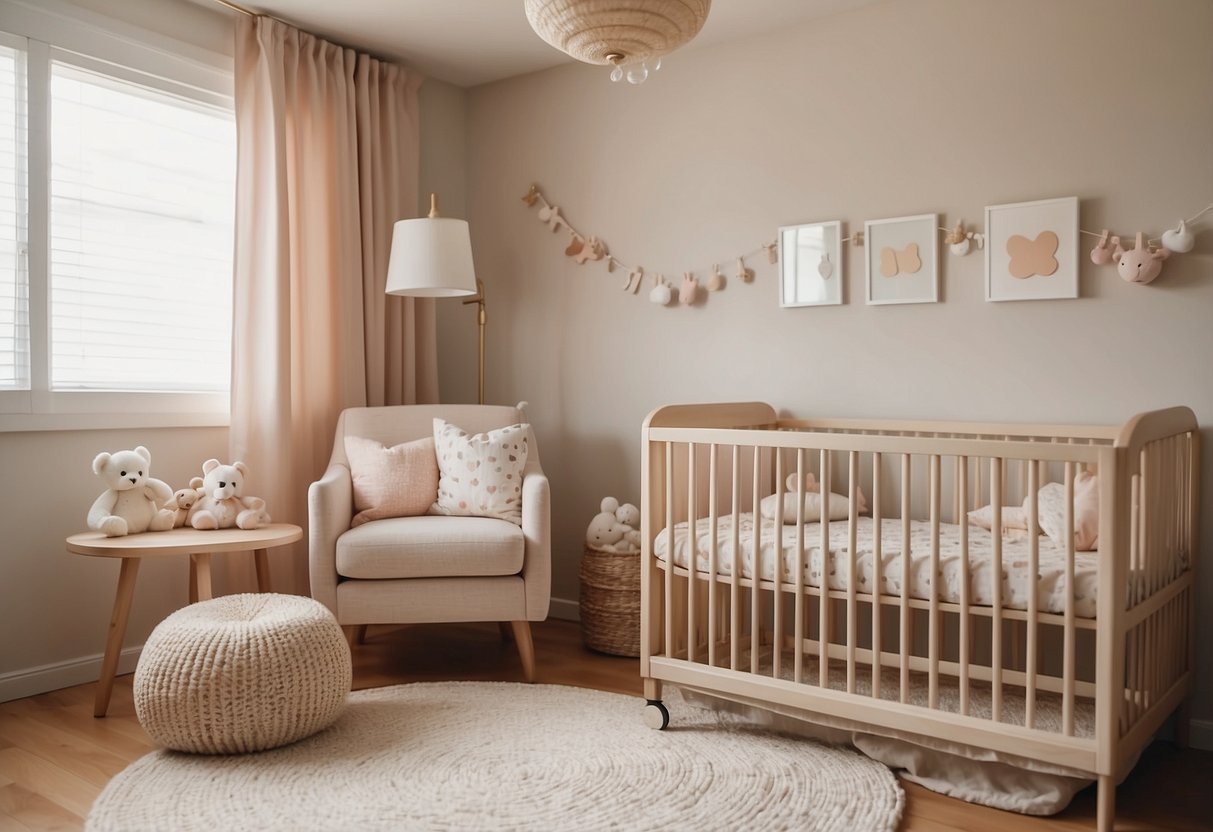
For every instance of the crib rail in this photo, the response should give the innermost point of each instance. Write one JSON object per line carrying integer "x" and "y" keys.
{"x": 1029, "y": 672}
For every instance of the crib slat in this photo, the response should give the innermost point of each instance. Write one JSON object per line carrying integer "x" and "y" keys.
{"x": 996, "y": 591}
{"x": 735, "y": 585}
{"x": 877, "y": 572}
{"x": 933, "y": 634}
{"x": 693, "y": 566}
{"x": 713, "y": 557}
{"x": 965, "y": 646}
{"x": 852, "y": 572}
{"x": 1067, "y": 702}
{"x": 669, "y": 561}
{"x": 798, "y": 659}
{"x": 756, "y": 569}
{"x": 1033, "y": 595}
{"x": 777, "y": 571}
{"x": 906, "y": 554}
{"x": 1135, "y": 560}
{"x": 823, "y": 621}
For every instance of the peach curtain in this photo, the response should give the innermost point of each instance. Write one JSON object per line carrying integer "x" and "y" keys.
{"x": 327, "y": 162}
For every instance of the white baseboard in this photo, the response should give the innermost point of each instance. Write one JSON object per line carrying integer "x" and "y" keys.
{"x": 564, "y": 609}
{"x": 19, "y": 684}
{"x": 1200, "y": 734}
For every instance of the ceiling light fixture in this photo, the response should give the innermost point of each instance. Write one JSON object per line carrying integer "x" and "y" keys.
{"x": 630, "y": 36}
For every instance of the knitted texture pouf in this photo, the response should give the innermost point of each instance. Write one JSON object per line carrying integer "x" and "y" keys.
{"x": 242, "y": 673}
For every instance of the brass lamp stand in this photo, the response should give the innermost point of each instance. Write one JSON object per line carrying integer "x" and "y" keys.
{"x": 478, "y": 299}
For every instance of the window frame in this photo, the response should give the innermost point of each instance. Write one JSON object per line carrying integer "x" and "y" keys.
{"x": 55, "y": 31}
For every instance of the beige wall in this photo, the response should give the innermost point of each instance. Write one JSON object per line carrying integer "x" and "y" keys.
{"x": 897, "y": 108}
{"x": 54, "y": 606}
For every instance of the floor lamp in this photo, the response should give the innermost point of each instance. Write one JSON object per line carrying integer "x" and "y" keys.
{"x": 432, "y": 258}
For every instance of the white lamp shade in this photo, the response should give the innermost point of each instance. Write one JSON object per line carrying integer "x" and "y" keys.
{"x": 431, "y": 258}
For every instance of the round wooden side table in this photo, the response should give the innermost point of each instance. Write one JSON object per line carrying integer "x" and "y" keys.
{"x": 199, "y": 545}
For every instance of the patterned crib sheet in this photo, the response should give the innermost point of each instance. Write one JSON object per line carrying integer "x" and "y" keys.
{"x": 1051, "y": 586}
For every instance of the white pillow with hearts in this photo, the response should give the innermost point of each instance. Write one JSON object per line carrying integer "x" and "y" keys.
{"x": 480, "y": 475}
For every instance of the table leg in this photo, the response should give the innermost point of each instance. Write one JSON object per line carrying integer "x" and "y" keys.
{"x": 117, "y": 630}
{"x": 200, "y": 570}
{"x": 193, "y": 582}
{"x": 261, "y": 558}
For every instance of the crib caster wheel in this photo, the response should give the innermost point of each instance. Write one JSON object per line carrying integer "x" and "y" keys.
{"x": 655, "y": 715}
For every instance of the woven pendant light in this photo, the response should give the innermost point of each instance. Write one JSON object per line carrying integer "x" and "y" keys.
{"x": 631, "y": 33}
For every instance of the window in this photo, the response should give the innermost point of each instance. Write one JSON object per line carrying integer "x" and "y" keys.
{"x": 141, "y": 195}
{"x": 117, "y": 207}
{"x": 14, "y": 331}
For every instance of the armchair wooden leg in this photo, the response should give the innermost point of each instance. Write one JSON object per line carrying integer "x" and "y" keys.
{"x": 526, "y": 648}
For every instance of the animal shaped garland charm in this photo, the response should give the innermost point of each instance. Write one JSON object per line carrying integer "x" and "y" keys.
{"x": 690, "y": 289}
{"x": 1101, "y": 255}
{"x": 1140, "y": 264}
{"x": 958, "y": 239}
{"x": 660, "y": 294}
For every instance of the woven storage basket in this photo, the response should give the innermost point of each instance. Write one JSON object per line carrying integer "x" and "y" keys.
{"x": 610, "y": 602}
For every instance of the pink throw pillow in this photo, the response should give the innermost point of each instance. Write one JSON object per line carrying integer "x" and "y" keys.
{"x": 401, "y": 481}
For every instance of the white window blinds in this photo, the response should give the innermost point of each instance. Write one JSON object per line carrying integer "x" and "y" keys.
{"x": 14, "y": 287}
{"x": 142, "y": 195}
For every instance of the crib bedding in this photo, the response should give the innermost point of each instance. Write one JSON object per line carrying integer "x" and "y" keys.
{"x": 1051, "y": 586}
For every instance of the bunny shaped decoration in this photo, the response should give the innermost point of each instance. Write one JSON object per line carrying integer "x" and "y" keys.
{"x": 1140, "y": 264}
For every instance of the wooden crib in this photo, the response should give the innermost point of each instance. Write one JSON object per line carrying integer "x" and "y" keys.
{"x": 1020, "y": 677}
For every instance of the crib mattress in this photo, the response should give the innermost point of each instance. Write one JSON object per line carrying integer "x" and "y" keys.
{"x": 1015, "y": 581}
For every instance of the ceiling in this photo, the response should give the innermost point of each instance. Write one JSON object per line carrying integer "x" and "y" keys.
{"x": 470, "y": 42}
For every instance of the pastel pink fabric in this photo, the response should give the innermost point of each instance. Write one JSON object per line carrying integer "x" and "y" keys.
{"x": 400, "y": 481}
{"x": 327, "y": 144}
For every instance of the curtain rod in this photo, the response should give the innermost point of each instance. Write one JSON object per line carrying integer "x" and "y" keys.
{"x": 236, "y": 8}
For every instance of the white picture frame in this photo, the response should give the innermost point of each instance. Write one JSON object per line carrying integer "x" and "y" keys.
{"x": 1017, "y": 258}
{"x": 901, "y": 256}
{"x": 810, "y": 265}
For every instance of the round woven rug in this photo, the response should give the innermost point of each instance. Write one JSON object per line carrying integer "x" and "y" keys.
{"x": 480, "y": 755}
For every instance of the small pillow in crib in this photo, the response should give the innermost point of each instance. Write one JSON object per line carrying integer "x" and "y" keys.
{"x": 1052, "y": 512}
{"x": 839, "y": 505}
{"x": 1014, "y": 520}
{"x": 480, "y": 474}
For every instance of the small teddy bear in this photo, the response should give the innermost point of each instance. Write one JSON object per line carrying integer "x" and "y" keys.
{"x": 183, "y": 500}
{"x": 134, "y": 500}
{"x": 614, "y": 528}
{"x": 220, "y": 502}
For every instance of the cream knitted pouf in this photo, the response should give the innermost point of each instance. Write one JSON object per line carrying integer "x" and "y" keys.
{"x": 242, "y": 673}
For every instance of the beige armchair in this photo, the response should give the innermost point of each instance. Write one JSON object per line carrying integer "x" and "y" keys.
{"x": 409, "y": 570}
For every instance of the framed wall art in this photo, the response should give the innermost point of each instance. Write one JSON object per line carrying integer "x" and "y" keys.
{"x": 1032, "y": 250}
{"x": 810, "y": 264}
{"x": 902, "y": 259}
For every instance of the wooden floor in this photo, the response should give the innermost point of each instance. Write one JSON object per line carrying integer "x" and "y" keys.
{"x": 55, "y": 757}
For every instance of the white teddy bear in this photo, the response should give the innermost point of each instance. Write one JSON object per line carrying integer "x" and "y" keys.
{"x": 614, "y": 528}
{"x": 134, "y": 501}
{"x": 221, "y": 504}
